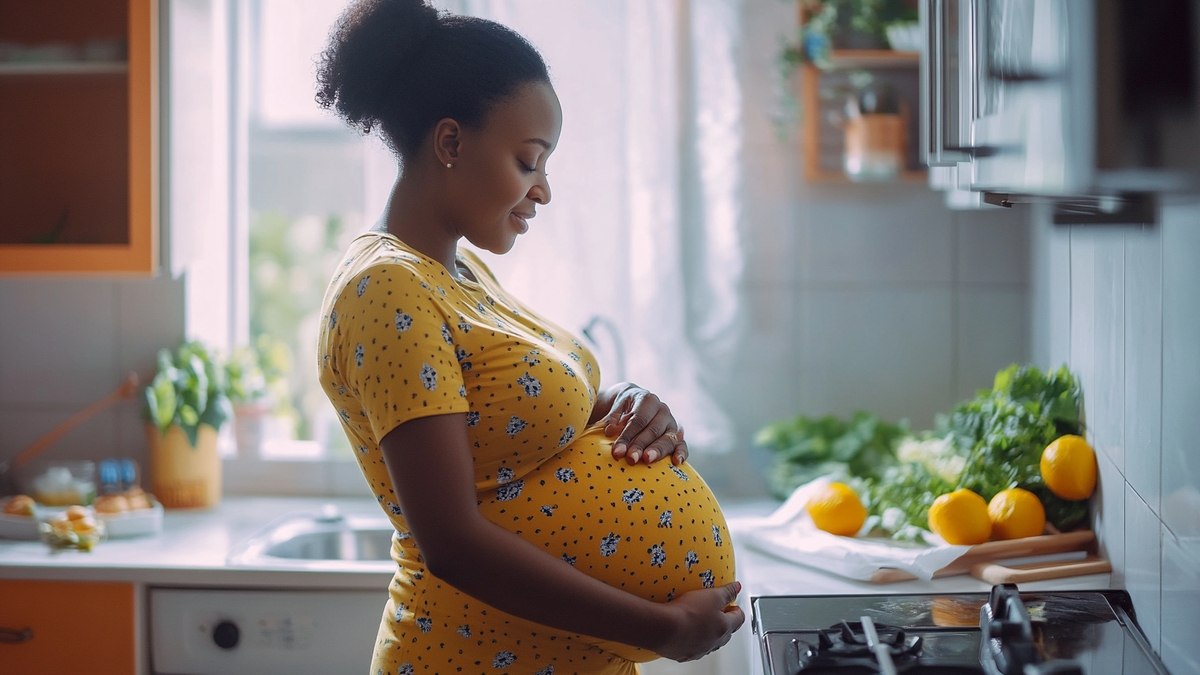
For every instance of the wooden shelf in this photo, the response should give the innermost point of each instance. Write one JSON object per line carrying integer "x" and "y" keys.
{"x": 873, "y": 58}
{"x": 65, "y": 68}
{"x": 828, "y": 177}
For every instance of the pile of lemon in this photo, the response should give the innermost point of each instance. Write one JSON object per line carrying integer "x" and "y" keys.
{"x": 1068, "y": 468}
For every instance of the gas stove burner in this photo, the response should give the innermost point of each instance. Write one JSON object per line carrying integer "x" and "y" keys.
{"x": 844, "y": 647}
{"x": 847, "y": 638}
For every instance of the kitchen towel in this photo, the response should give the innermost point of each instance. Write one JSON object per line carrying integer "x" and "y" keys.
{"x": 789, "y": 533}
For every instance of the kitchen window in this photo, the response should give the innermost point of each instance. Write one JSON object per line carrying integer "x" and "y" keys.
{"x": 646, "y": 183}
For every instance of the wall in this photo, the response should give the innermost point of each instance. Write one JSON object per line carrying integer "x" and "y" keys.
{"x": 872, "y": 297}
{"x": 1121, "y": 306}
{"x": 66, "y": 342}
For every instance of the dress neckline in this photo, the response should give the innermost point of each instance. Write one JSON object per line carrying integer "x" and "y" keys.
{"x": 460, "y": 279}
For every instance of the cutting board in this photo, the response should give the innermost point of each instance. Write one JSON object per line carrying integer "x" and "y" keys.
{"x": 981, "y": 560}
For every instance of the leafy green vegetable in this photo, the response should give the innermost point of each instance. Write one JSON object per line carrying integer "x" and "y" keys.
{"x": 988, "y": 443}
{"x": 189, "y": 389}
{"x": 807, "y": 448}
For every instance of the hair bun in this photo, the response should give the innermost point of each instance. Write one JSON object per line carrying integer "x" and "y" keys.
{"x": 369, "y": 44}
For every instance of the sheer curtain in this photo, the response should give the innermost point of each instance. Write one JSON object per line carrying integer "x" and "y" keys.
{"x": 643, "y": 232}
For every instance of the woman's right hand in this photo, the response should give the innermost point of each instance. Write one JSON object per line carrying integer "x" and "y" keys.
{"x": 704, "y": 620}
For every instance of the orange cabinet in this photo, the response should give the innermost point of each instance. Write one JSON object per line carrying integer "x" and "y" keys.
{"x": 78, "y": 136}
{"x": 72, "y": 627}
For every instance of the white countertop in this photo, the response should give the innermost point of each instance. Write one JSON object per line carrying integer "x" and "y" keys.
{"x": 194, "y": 545}
{"x": 192, "y": 550}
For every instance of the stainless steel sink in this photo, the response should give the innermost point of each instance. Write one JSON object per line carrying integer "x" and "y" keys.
{"x": 320, "y": 540}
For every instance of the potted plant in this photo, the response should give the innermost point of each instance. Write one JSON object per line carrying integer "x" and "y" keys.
{"x": 257, "y": 376}
{"x": 848, "y": 24}
{"x": 184, "y": 406}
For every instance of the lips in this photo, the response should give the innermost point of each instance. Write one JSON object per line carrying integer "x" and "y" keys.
{"x": 522, "y": 221}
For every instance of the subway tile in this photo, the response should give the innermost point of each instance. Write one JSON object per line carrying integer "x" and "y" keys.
{"x": 908, "y": 239}
{"x": 1143, "y": 363}
{"x": 992, "y": 333}
{"x": 1108, "y": 516}
{"x": 22, "y": 425}
{"x": 59, "y": 341}
{"x": 1180, "y": 602}
{"x": 1083, "y": 313}
{"x": 1181, "y": 372}
{"x": 888, "y": 352}
{"x": 1049, "y": 290}
{"x": 1106, "y": 418}
{"x": 1143, "y": 564}
{"x": 150, "y": 317}
{"x": 992, "y": 246}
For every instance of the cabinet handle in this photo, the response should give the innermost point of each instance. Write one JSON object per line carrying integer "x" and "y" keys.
{"x": 12, "y": 636}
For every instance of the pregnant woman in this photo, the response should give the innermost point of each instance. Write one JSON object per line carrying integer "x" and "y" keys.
{"x": 543, "y": 525}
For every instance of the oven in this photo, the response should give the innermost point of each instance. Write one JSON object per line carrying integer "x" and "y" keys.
{"x": 1005, "y": 632}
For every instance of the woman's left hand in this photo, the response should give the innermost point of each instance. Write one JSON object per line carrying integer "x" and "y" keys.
{"x": 645, "y": 428}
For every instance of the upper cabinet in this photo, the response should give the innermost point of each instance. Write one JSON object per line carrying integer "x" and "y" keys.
{"x": 78, "y": 136}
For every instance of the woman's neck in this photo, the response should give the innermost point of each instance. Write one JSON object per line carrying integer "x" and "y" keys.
{"x": 413, "y": 218}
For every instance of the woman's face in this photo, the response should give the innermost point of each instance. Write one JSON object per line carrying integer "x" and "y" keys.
{"x": 501, "y": 168}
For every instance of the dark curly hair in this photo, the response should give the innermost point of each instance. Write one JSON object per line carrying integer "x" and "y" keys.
{"x": 402, "y": 66}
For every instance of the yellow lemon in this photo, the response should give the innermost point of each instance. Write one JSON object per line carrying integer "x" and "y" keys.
{"x": 961, "y": 518}
{"x": 1016, "y": 513}
{"x": 836, "y": 509}
{"x": 1069, "y": 468}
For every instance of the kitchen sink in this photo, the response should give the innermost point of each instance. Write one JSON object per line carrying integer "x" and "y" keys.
{"x": 327, "y": 538}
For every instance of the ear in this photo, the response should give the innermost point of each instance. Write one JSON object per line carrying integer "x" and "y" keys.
{"x": 447, "y": 139}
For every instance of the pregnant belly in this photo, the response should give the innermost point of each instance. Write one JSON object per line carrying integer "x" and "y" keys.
{"x": 655, "y": 531}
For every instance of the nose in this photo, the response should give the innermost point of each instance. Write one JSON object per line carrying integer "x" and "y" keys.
{"x": 540, "y": 192}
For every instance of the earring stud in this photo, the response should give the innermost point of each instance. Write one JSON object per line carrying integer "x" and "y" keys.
{"x": 449, "y": 165}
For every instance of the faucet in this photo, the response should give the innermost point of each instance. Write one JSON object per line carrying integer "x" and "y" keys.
{"x": 589, "y": 331}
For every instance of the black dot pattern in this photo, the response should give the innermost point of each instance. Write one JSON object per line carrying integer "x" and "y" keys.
{"x": 401, "y": 339}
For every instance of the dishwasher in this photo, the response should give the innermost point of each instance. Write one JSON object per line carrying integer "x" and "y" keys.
{"x": 200, "y": 631}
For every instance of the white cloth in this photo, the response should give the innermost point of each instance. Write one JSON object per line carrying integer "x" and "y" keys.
{"x": 789, "y": 533}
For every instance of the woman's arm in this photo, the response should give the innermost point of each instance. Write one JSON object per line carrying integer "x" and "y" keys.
{"x": 429, "y": 462}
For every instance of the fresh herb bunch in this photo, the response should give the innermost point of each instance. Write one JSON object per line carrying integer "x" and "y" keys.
{"x": 189, "y": 389}
{"x": 1003, "y": 433}
{"x": 1000, "y": 434}
{"x": 807, "y": 448}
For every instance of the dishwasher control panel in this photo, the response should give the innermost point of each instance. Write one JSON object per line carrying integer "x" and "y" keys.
{"x": 231, "y": 632}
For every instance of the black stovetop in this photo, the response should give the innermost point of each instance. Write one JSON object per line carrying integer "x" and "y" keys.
{"x": 1059, "y": 633}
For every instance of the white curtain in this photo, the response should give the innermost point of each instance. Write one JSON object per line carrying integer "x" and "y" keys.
{"x": 644, "y": 226}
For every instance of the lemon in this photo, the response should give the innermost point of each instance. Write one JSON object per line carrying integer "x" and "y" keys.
{"x": 836, "y": 509}
{"x": 961, "y": 518}
{"x": 1069, "y": 468}
{"x": 1016, "y": 513}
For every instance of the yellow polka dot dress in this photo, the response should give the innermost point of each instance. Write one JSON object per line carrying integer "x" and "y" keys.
{"x": 401, "y": 339}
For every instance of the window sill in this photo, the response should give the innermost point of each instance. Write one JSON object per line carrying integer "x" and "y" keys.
{"x": 308, "y": 478}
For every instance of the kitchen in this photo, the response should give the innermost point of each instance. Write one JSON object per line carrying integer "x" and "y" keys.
{"x": 820, "y": 297}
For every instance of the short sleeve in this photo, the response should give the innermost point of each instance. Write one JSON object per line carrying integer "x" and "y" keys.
{"x": 394, "y": 345}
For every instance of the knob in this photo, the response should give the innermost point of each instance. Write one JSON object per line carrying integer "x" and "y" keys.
{"x": 226, "y": 635}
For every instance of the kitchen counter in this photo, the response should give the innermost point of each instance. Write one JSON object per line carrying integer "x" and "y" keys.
{"x": 192, "y": 550}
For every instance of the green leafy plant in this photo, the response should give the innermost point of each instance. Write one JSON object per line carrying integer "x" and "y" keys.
{"x": 834, "y": 24}
{"x": 257, "y": 373}
{"x": 806, "y": 448}
{"x": 190, "y": 389}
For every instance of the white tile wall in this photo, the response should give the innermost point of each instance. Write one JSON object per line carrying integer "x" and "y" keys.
{"x": 67, "y": 342}
{"x": 1133, "y": 300}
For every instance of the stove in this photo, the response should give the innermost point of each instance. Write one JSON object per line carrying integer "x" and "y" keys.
{"x": 1004, "y": 632}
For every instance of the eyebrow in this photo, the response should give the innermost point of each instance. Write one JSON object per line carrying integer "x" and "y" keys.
{"x": 539, "y": 141}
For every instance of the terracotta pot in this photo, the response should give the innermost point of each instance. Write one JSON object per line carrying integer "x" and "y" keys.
{"x": 183, "y": 476}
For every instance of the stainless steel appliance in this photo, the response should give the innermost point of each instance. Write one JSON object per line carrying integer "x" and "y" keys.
{"x": 1061, "y": 98}
{"x": 1002, "y": 633}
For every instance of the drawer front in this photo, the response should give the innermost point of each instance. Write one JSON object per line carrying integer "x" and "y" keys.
{"x": 75, "y": 626}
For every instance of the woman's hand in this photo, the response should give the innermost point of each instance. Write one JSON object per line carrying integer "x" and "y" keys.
{"x": 703, "y": 622}
{"x": 645, "y": 428}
